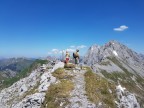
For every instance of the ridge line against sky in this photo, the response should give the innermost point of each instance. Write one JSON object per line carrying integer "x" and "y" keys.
{"x": 34, "y": 28}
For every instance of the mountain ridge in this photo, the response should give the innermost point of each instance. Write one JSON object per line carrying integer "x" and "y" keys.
{"x": 108, "y": 79}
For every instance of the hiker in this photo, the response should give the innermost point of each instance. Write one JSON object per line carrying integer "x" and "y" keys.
{"x": 67, "y": 57}
{"x": 76, "y": 57}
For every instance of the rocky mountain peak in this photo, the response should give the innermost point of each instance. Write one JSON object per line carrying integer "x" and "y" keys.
{"x": 113, "y": 49}
{"x": 112, "y": 42}
{"x": 95, "y": 46}
{"x": 114, "y": 45}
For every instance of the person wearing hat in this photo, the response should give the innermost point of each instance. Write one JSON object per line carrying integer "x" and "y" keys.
{"x": 67, "y": 57}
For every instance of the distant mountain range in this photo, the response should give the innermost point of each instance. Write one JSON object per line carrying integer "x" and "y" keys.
{"x": 11, "y": 66}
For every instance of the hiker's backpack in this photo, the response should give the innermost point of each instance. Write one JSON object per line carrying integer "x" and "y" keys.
{"x": 74, "y": 55}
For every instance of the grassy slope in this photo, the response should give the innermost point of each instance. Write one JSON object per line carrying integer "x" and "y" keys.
{"x": 97, "y": 89}
{"x": 126, "y": 79}
{"x": 59, "y": 93}
{"x": 1, "y": 77}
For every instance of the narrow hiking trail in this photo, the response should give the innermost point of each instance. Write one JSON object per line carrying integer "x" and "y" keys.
{"x": 78, "y": 95}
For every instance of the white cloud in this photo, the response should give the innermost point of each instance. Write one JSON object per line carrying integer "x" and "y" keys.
{"x": 55, "y": 51}
{"x": 70, "y": 50}
{"x": 49, "y": 53}
{"x": 72, "y": 46}
{"x": 81, "y": 46}
{"x": 121, "y": 28}
{"x": 60, "y": 52}
{"x": 77, "y": 47}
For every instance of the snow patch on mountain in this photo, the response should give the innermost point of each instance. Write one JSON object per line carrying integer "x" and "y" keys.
{"x": 115, "y": 53}
{"x": 119, "y": 87}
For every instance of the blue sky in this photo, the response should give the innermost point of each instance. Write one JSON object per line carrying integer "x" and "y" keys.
{"x": 35, "y": 28}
